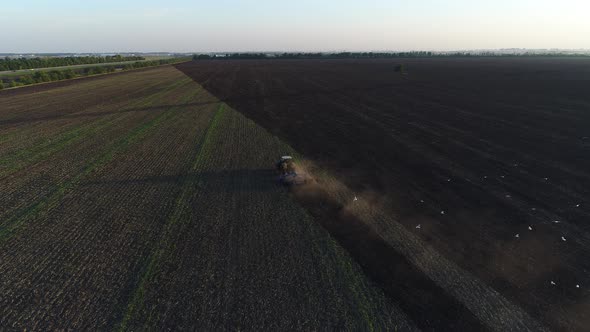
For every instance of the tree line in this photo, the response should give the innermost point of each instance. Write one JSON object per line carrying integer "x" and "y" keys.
{"x": 65, "y": 74}
{"x": 33, "y": 63}
{"x": 373, "y": 55}
{"x": 340, "y": 55}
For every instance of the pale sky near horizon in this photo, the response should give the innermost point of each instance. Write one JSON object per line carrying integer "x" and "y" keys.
{"x": 303, "y": 25}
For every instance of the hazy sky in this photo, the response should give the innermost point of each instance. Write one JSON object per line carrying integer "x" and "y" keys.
{"x": 305, "y": 25}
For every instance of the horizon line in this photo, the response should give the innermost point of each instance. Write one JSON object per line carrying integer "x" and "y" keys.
{"x": 319, "y": 51}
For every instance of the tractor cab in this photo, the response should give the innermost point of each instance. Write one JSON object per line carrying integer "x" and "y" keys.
{"x": 288, "y": 174}
{"x": 286, "y": 165}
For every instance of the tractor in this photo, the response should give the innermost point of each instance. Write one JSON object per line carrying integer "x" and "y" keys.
{"x": 288, "y": 174}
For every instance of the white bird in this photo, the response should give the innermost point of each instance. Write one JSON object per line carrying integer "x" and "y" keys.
{"x": 577, "y": 286}
{"x": 545, "y": 179}
{"x": 577, "y": 205}
{"x": 448, "y": 180}
{"x": 485, "y": 177}
{"x": 517, "y": 235}
{"x": 508, "y": 196}
{"x": 418, "y": 227}
{"x": 534, "y": 209}
{"x": 530, "y": 228}
{"x": 563, "y": 239}
{"x": 356, "y": 199}
{"x": 442, "y": 212}
{"x": 421, "y": 201}
{"x": 556, "y": 221}
{"x": 502, "y": 176}
{"x": 552, "y": 283}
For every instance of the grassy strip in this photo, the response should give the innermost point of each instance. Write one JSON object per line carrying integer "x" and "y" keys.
{"x": 61, "y": 61}
{"x": 38, "y": 153}
{"x": 54, "y": 198}
{"x": 97, "y": 71}
{"x": 180, "y": 207}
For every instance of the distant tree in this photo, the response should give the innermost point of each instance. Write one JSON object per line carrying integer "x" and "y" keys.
{"x": 27, "y": 79}
{"x": 30, "y": 63}
{"x": 45, "y": 77}
{"x": 201, "y": 57}
{"x": 95, "y": 70}
{"x": 1, "y": 84}
{"x": 68, "y": 74}
{"x": 55, "y": 75}
{"x": 400, "y": 69}
{"x": 41, "y": 77}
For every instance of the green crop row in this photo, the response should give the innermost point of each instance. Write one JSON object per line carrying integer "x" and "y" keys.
{"x": 43, "y": 106}
{"x": 39, "y": 152}
{"x": 46, "y": 203}
{"x": 204, "y": 149}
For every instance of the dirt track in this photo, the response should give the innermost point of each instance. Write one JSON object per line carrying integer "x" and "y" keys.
{"x": 473, "y": 151}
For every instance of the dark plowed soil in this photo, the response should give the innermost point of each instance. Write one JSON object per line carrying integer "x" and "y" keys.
{"x": 430, "y": 307}
{"x": 484, "y": 154}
